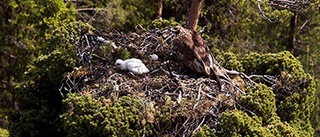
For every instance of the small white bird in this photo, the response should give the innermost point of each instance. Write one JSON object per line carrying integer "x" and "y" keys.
{"x": 154, "y": 57}
{"x": 133, "y": 65}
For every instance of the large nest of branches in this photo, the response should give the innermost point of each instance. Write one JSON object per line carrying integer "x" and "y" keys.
{"x": 168, "y": 78}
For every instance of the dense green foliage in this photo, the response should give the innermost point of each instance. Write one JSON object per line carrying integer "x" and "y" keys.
{"x": 272, "y": 64}
{"x": 264, "y": 120}
{"x": 266, "y": 114}
{"x": 4, "y": 132}
{"x": 26, "y": 25}
{"x": 40, "y": 90}
{"x": 37, "y": 50}
{"x": 86, "y": 116}
{"x": 120, "y": 14}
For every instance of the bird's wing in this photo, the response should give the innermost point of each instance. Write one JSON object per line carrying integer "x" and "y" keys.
{"x": 202, "y": 52}
{"x": 192, "y": 51}
{"x": 124, "y": 66}
{"x": 134, "y": 60}
{"x": 137, "y": 68}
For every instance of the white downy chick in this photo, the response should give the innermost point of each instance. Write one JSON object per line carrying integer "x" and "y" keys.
{"x": 133, "y": 65}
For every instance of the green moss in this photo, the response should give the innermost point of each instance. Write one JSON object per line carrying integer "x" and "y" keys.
{"x": 204, "y": 131}
{"x": 283, "y": 110}
{"x": 261, "y": 101}
{"x": 4, "y": 132}
{"x": 238, "y": 123}
{"x": 86, "y": 116}
{"x": 105, "y": 50}
{"x": 295, "y": 95}
{"x": 124, "y": 53}
{"x": 272, "y": 64}
{"x": 228, "y": 59}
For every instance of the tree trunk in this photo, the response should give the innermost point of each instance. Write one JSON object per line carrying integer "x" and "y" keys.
{"x": 193, "y": 51}
{"x": 292, "y": 38}
{"x": 159, "y": 12}
{"x": 194, "y": 14}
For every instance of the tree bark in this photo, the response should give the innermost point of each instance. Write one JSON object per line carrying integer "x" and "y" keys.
{"x": 194, "y": 14}
{"x": 159, "y": 12}
{"x": 292, "y": 38}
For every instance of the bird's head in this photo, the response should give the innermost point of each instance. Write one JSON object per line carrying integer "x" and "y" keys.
{"x": 119, "y": 62}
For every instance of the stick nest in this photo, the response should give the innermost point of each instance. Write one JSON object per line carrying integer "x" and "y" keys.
{"x": 200, "y": 98}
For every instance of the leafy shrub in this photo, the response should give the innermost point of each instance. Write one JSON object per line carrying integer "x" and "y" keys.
{"x": 204, "y": 131}
{"x": 4, "y": 132}
{"x": 283, "y": 111}
{"x": 272, "y": 64}
{"x": 261, "y": 102}
{"x": 39, "y": 98}
{"x": 87, "y": 116}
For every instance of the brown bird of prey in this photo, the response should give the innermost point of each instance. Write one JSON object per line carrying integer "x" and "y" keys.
{"x": 195, "y": 54}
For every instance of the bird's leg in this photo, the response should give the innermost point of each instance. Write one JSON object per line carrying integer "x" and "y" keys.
{"x": 215, "y": 76}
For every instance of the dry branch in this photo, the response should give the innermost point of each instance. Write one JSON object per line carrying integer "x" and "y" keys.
{"x": 90, "y": 9}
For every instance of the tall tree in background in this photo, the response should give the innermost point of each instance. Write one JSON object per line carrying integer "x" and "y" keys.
{"x": 159, "y": 10}
{"x": 14, "y": 56}
{"x": 296, "y": 7}
{"x": 26, "y": 28}
{"x": 193, "y": 51}
{"x": 193, "y": 16}
{"x": 292, "y": 37}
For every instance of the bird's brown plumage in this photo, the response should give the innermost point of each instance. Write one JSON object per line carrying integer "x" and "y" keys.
{"x": 192, "y": 52}
{"x": 195, "y": 54}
